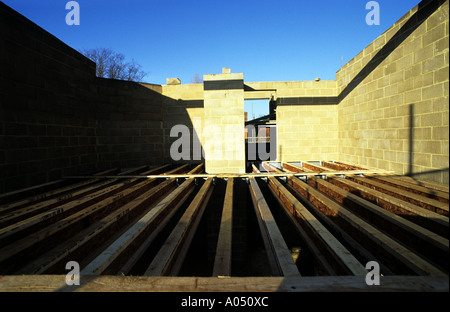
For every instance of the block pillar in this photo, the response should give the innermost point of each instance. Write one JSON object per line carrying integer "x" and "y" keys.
{"x": 224, "y": 124}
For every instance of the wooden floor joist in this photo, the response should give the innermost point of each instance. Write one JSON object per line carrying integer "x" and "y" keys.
{"x": 222, "y": 262}
{"x": 418, "y": 200}
{"x": 153, "y": 220}
{"x": 96, "y": 283}
{"x": 101, "y": 209}
{"x": 170, "y": 257}
{"x": 322, "y": 243}
{"x": 431, "y": 220}
{"x": 413, "y": 188}
{"x": 280, "y": 258}
{"x": 150, "y": 224}
{"x": 77, "y": 194}
{"x": 414, "y": 181}
{"x": 314, "y": 167}
{"x": 60, "y": 193}
{"x": 402, "y": 257}
{"x": 428, "y": 243}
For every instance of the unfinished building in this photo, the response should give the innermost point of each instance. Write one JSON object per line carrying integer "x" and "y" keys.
{"x": 357, "y": 171}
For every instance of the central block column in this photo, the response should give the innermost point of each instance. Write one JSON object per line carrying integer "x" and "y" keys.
{"x": 224, "y": 124}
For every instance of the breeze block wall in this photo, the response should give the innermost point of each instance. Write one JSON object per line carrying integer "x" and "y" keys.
{"x": 57, "y": 119}
{"x": 182, "y": 104}
{"x": 394, "y": 97}
{"x": 307, "y": 123}
{"x": 223, "y": 115}
{"x": 47, "y": 123}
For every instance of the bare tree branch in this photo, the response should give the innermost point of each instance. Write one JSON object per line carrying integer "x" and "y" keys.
{"x": 110, "y": 64}
{"x": 196, "y": 79}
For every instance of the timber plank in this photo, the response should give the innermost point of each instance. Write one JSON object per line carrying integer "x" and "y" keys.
{"x": 317, "y": 235}
{"x": 370, "y": 235}
{"x": 96, "y": 283}
{"x": 151, "y": 219}
{"x": 426, "y": 242}
{"x": 414, "y": 188}
{"x": 171, "y": 255}
{"x": 431, "y": 220}
{"x": 82, "y": 242}
{"x": 418, "y": 200}
{"x": 88, "y": 213}
{"x": 20, "y": 229}
{"x": 274, "y": 241}
{"x": 49, "y": 193}
{"x": 414, "y": 181}
{"x": 222, "y": 260}
{"x": 314, "y": 167}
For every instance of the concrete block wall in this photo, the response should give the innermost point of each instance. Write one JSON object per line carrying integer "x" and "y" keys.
{"x": 129, "y": 124}
{"x": 58, "y": 119}
{"x": 183, "y": 105}
{"x": 394, "y": 97}
{"x": 307, "y": 123}
{"x": 388, "y": 108}
{"x": 47, "y": 128}
{"x": 307, "y": 132}
{"x": 223, "y": 135}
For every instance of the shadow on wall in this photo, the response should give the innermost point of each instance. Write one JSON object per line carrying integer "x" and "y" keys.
{"x": 429, "y": 174}
{"x": 425, "y": 10}
{"x": 182, "y": 142}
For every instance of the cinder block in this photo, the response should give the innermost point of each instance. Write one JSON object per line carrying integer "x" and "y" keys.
{"x": 441, "y": 75}
{"x": 405, "y": 61}
{"x": 424, "y": 53}
{"x": 431, "y": 120}
{"x": 433, "y": 91}
{"x": 440, "y": 133}
{"x": 434, "y": 35}
{"x": 433, "y": 64}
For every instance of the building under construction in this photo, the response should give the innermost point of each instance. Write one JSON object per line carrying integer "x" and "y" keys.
{"x": 350, "y": 188}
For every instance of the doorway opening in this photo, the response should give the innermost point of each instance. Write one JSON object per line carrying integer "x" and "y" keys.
{"x": 260, "y": 132}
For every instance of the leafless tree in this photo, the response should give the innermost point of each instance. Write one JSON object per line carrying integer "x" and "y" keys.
{"x": 197, "y": 79}
{"x": 112, "y": 65}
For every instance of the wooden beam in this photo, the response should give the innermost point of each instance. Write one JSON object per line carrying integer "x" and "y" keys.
{"x": 418, "y": 200}
{"x": 350, "y": 166}
{"x": 270, "y": 168}
{"x": 96, "y": 283}
{"x": 13, "y": 214}
{"x": 94, "y": 211}
{"x": 170, "y": 257}
{"x": 304, "y": 173}
{"x": 137, "y": 254}
{"x": 414, "y": 188}
{"x": 150, "y": 223}
{"x": 80, "y": 245}
{"x": 428, "y": 184}
{"x": 429, "y": 244}
{"x": 292, "y": 168}
{"x": 399, "y": 257}
{"x": 41, "y": 189}
{"x": 334, "y": 166}
{"x": 49, "y": 193}
{"x": 425, "y": 218}
{"x": 325, "y": 247}
{"x": 222, "y": 261}
{"x": 278, "y": 253}
{"x": 53, "y": 213}
{"x": 314, "y": 167}
{"x": 113, "y": 209}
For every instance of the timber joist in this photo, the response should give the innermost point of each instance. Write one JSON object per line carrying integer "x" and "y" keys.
{"x": 296, "y": 221}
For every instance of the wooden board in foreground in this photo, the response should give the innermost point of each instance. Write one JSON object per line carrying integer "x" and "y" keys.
{"x": 107, "y": 283}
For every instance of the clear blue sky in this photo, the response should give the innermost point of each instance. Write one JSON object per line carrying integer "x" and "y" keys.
{"x": 266, "y": 40}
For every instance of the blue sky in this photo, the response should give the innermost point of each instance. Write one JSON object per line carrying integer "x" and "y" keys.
{"x": 266, "y": 40}
{"x": 283, "y": 40}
